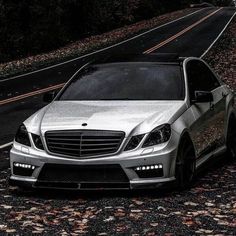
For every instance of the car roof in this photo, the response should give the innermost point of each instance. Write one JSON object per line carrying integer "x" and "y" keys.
{"x": 160, "y": 58}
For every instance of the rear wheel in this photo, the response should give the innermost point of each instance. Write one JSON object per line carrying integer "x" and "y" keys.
{"x": 231, "y": 139}
{"x": 185, "y": 165}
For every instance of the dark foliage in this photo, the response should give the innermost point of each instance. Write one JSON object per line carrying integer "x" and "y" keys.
{"x": 29, "y": 27}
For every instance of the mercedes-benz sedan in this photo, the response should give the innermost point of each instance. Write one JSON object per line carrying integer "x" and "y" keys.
{"x": 134, "y": 123}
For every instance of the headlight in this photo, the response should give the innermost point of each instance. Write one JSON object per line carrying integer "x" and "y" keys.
{"x": 134, "y": 142}
{"x": 22, "y": 136}
{"x": 159, "y": 135}
{"x": 37, "y": 141}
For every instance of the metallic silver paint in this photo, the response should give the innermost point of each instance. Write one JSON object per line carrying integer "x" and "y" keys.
{"x": 133, "y": 118}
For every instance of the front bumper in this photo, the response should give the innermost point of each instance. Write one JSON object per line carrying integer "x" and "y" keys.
{"x": 164, "y": 155}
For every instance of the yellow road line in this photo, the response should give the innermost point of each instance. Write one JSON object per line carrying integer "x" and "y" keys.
{"x": 180, "y": 33}
{"x": 40, "y": 91}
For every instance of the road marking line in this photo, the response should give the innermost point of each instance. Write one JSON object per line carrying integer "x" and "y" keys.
{"x": 180, "y": 33}
{"x": 6, "y": 145}
{"x": 40, "y": 91}
{"x": 9, "y": 144}
{"x": 20, "y": 97}
{"x": 217, "y": 38}
{"x": 101, "y": 50}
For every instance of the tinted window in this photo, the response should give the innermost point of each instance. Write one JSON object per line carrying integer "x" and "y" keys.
{"x": 200, "y": 78}
{"x": 139, "y": 81}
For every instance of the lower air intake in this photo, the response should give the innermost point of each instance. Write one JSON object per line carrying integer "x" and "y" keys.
{"x": 82, "y": 174}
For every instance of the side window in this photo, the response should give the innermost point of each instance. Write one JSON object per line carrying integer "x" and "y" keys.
{"x": 200, "y": 78}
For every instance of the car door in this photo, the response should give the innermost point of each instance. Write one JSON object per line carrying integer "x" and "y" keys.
{"x": 219, "y": 107}
{"x": 208, "y": 129}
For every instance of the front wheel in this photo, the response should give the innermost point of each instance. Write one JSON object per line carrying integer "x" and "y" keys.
{"x": 185, "y": 166}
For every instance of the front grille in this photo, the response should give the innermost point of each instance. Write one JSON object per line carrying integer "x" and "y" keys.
{"x": 83, "y": 143}
{"x": 82, "y": 174}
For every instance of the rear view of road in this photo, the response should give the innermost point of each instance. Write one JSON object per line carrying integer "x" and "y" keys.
{"x": 188, "y": 36}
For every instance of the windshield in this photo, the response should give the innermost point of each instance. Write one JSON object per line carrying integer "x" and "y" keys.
{"x": 129, "y": 81}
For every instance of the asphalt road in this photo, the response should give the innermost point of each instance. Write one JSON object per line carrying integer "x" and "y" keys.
{"x": 190, "y": 36}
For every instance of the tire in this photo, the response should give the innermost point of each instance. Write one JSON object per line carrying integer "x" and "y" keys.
{"x": 231, "y": 140}
{"x": 185, "y": 165}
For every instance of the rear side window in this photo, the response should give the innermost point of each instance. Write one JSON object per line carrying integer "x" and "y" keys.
{"x": 200, "y": 78}
{"x": 127, "y": 81}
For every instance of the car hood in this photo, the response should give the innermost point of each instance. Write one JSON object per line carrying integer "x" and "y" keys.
{"x": 128, "y": 116}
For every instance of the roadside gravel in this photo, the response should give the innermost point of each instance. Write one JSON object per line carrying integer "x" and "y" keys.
{"x": 87, "y": 45}
{"x": 209, "y": 208}
{"x": 222, "y": 57}
{"x": 4, "y": 158}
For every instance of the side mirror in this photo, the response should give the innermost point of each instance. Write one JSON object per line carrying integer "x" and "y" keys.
{"x": 49, "y": 96}
{"x": 203, "y": 96}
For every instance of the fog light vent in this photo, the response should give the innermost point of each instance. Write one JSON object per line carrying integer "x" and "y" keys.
{"x": 150, "y": 171}
{"x": 23, "y": 169}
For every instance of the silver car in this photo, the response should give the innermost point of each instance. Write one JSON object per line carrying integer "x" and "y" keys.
{"x": 135, "y": 122}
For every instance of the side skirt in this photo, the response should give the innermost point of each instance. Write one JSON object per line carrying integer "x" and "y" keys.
{"x": 202, "y": 159}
